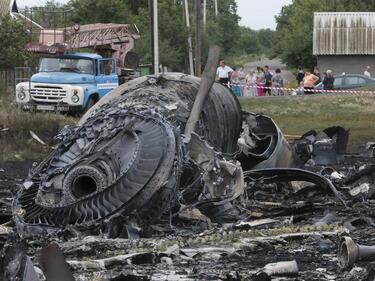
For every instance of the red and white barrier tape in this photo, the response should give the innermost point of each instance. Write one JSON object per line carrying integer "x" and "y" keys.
{"x": 302, "y": 90}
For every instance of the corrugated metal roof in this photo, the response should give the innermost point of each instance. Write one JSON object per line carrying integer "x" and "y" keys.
{"x": 5, "y": 7}
{"x": 344, "y": 33}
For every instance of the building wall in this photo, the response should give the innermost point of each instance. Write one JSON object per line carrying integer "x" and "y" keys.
{"x": 5, "y": 7}
{"x": 347, "y": 64}
{"x": 344, "y": 33}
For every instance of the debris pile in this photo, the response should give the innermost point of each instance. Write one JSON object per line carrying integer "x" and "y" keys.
{"x": 126, "y": 195}
{"x": 323, "y": 148}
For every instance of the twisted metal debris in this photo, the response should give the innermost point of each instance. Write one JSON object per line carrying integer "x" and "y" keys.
{"x": 129, "y": 158}
{"x": 129, "y": 153}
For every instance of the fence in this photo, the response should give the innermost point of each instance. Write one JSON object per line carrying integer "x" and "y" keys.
{"x": 6, "y": 81}
{"x": 9, "y": 78}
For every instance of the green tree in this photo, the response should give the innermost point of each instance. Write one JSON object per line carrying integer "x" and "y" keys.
{"x": 101, "y": 11}
{"x": 223, "y": 29}
{"x": 295, "y": 32}
{"x": 12, "y": 44}
{"x": 248, "y": 41}
{"x": 266, "y": 38}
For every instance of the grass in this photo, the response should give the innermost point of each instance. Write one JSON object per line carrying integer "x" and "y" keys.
{"x": 296, "y": 115}
{"x": 16, "y": 142}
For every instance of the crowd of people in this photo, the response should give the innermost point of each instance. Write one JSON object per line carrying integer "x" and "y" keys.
{"x": 264, "y": 82}
{"x": 255, "y": 82}
{"x": 308, "y": 80}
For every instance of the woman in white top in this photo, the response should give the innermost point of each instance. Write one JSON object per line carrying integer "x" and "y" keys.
{"x": 251, "y": 82}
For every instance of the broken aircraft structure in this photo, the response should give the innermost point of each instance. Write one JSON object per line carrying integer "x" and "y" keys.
{"x": 129, "y": 156}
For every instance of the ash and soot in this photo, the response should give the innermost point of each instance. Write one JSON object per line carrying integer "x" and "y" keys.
{"x": 139, "y": 191}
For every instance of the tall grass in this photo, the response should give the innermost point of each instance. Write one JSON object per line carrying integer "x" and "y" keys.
{"x": 16, "y": 142}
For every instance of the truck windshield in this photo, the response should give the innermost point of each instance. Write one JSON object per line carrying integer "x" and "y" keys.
{"x": 66, "y": 65}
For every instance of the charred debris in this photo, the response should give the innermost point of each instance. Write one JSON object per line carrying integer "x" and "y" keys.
{"x": 127, "y": 195}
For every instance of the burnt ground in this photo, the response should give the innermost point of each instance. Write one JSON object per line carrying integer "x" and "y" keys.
{"x": 305, "y": 226}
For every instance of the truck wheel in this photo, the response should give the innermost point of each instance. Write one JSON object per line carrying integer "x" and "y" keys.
{"x": 90, "y": 103}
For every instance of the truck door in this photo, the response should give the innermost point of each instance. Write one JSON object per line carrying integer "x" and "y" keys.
{"x": 107, "y": 78}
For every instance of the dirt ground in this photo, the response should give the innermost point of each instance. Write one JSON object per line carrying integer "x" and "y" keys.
{"x": 305, "y": 228}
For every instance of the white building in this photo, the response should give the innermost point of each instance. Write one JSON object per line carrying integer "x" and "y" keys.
{"x": 7, "y": 7}
{"x": 344, "y": 42}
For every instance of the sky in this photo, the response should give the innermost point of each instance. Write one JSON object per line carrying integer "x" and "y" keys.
{"x": 31, "y": 3}
{"x": 258, "y": 14}
{"x": 255, "y": 14}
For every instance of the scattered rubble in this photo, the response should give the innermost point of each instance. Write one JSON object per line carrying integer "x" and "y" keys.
{"x": 126, "y": 195}
{"x": 323, "y": 148}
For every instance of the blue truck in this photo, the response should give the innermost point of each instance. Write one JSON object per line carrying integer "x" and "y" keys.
{"x": 71, "y": 82}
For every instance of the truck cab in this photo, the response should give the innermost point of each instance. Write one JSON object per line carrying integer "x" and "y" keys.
{"x": 70, "y": 82}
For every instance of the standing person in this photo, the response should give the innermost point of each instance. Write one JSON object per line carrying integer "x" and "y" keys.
{"x": 299, "y": 77}
{"x": 316, "y": 72}
{"x": 367, "y": 71}
{"x": 259, "y": 78}
{"x": 242, "y": 78}
{"x": 309, "y": 82}
{"x": 251, "y": 83}
{"x": 235, "y": 83}
{"x": 267, "y": 80}
{"x": 277, "y": 82}
{"x": 328, "y": 80}
{"x": 223, "y": 73}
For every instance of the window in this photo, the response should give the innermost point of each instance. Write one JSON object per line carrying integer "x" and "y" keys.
{"x": 66, "y": 65}
{"x": 337, "y": 82}
{"x": 106, "y": 67}
{"x": 361, "y": 81}
{"x": 351, "y": 81}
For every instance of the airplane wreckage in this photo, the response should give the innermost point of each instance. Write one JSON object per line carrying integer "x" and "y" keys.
{"x": 129, "y": 156}
{"x": 136, "y": 159}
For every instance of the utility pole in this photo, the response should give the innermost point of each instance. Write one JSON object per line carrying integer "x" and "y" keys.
{"x": 216, "y": 9}
{"x": 198, "y": 38}
{"x": 190, "y": 46}
{"x": 156, "y": 36}
{"x": 151, "y": 28}
{"x": 204, "y": 14}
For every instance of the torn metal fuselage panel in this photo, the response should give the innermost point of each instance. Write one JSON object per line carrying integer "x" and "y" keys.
{"x": 292, "y": 174}
{"x": 263, "y": 145}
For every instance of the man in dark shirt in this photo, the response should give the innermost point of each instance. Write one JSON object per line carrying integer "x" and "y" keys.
{"x": 267, "y": 80}
{"x": 300, "y": 75}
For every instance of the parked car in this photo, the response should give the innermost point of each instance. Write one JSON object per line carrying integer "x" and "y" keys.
{"x": 349, "y": 81}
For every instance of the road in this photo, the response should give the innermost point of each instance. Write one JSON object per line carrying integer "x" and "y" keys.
{"x": 273, "y": 64}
